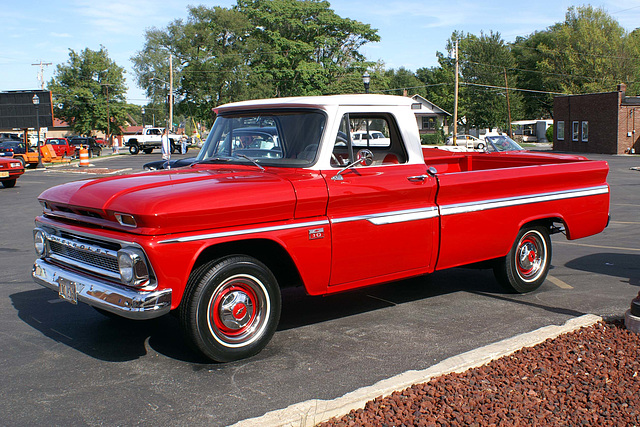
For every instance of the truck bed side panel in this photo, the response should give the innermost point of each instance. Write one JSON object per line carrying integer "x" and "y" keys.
{"x": 482, "y": 211}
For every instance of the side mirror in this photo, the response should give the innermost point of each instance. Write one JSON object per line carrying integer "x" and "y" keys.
{"x": 365, "y": 157}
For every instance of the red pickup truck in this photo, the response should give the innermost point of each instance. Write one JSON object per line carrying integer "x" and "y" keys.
{"x": 61, "y": 146}
{"x": 280, "y": 196}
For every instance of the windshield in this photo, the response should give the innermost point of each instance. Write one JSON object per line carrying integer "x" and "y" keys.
{"x": 283, "y": 138}
{"x": 501, "y": 143}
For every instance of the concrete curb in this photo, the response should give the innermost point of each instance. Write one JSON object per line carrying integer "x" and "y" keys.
{"x": 314, "y": 411}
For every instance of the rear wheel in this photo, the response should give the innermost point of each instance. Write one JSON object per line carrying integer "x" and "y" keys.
{"x": 526, "y": 265}
{"x": 134, "y": 149}
{"x": 9, "y": 183}
{"x": 231, "y": 308}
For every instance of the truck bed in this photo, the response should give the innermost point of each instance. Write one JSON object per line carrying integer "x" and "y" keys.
{"x": 486, "y": 192}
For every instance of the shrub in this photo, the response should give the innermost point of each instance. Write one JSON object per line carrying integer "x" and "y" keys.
{"x": 429, "y": 139}
{"x": 549, "y": 133}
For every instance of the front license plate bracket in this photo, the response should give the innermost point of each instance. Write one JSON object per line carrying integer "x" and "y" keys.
{"x": 67, "y": 290}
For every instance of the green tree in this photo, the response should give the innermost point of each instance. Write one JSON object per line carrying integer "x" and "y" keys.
{"x": 588, "y": 52}
{"x": 484, "y": 60}
{"x": 211, "y": 62}
{"x": 304, "y": 45}
{"x": 89, "y": 92}
{"x": 439, "y": 82}
{"x": 403, "y": 79}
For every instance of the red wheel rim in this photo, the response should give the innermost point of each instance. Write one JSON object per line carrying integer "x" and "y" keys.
{"x": 238, "y": 310}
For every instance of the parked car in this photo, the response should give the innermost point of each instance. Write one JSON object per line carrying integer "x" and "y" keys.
{"x": 87, "y": 142}
{"x": 376, "y": 139}
{"x": 10, "y": 170}
{"x": 61, "y": 146}
{"x": 501, "y": 143}
{"x": 466, "y": 140}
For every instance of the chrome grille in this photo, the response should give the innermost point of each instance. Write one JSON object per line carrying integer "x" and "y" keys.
{"x": 95, "y": 256}
{"x": 104, "y": 262}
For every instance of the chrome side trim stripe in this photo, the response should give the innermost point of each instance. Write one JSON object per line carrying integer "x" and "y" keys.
{"x": 410, "y": 214}
{"x": 521, "y": 200}
{"x": 392, "y": 217}
{"x": 246, "y": 231}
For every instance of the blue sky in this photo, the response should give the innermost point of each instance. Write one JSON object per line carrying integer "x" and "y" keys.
{"x": 412, "y": 31}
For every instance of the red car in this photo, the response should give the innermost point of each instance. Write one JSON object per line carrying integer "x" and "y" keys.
{"x": 10, "y": 170}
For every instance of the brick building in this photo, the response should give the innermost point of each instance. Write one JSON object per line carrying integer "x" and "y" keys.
{"x": 607, "y": 123}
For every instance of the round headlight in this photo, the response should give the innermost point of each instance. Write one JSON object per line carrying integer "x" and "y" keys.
{"x": 133, "y": 267}
{"x": 40, "y": 242}
{"x": 125, "y": 264}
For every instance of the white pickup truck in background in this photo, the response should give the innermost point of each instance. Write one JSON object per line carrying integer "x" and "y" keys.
{"x": 148, "y": 139}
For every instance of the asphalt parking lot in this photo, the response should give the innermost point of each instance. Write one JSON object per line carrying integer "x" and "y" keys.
{"x": 69, "y": 365}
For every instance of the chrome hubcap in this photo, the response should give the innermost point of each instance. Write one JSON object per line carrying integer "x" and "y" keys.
{"x": 235, "y": 310}
{"x": 531, "y": 256}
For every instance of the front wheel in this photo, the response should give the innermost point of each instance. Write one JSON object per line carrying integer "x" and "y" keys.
{"x": 9, "y": 183}
{"x": 231, "y": 308}
{"x": 526, "y": 265}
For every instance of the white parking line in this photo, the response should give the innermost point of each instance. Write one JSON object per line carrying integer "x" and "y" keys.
{"x": 559, "y": 283}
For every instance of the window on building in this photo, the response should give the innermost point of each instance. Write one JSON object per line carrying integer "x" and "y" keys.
{"x": 585, "y": 131}
{"x": 428, "y": 123}
{"x": 575, "y": 131}
{"x": 560, "y": 131}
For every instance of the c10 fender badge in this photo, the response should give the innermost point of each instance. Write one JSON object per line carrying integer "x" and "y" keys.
{"x": 316, "y": 233}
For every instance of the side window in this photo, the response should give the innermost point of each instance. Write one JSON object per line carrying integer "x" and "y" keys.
{"x": 575, "y": 130}
{"x": 377, "y": 133}
{"x": 585, "y": 131}
{"x": 560, "y": 131}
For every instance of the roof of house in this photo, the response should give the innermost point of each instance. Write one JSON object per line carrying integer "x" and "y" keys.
{"x": 429, "y": 107}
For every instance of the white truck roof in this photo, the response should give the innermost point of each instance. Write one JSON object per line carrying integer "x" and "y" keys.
{"x": 319, "y": 102}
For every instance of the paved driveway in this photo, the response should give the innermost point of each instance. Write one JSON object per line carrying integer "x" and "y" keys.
{"x": 65, "y": 364}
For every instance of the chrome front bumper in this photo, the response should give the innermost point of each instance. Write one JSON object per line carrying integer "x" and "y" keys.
{"x": 117, "y": 299}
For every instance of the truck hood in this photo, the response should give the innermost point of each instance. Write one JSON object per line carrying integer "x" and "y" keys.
{"x": 176, "y": 201}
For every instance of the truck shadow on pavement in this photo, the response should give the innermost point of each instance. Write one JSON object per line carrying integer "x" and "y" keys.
{"x": 626, "y": 266}
{"x": 120, "y": 340}
{"x": 85, "y": 330}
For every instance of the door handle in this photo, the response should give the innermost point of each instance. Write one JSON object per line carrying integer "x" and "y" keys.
{"x": 417, "y": 178}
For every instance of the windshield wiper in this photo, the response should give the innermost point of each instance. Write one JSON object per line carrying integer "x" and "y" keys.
{"x": 244, "y": 156}
{"x": 215, "y": 159}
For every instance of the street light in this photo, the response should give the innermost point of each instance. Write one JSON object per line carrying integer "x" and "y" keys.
{"x": 36, "y": 102}
{"x": 143, "y": 117}
{"x": 366, "y": 79}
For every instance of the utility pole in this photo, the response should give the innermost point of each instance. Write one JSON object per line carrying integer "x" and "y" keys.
{"x": 506, "y": 84}
{"x": 455, "y": 99}
{"x": 41, "y": 72}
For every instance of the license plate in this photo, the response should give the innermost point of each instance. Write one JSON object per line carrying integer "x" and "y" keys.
{"x": 67, "y": 290}
{"x": 4, "y": 174}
